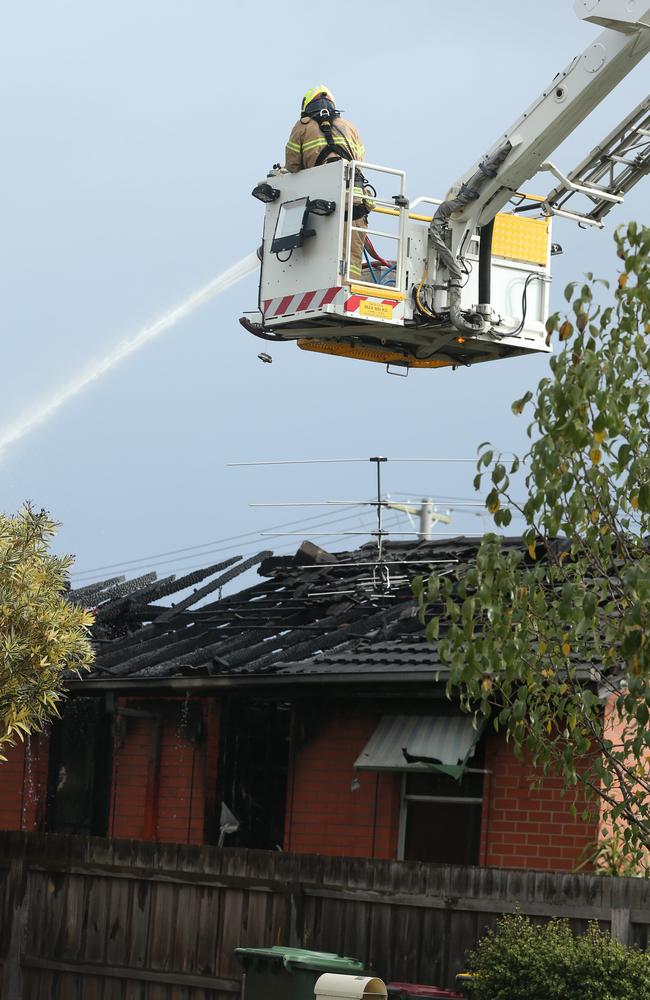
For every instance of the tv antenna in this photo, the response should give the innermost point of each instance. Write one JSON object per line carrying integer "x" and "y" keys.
{"x": 384, "y": 573}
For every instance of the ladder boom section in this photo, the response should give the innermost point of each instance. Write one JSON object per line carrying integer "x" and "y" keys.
{"x": 613, "y": 14}
{"x": 610, "y": 170}
{"x": 570, "y": 97}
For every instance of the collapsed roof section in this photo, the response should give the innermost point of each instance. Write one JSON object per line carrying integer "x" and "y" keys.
{"x": 313, "y": 614}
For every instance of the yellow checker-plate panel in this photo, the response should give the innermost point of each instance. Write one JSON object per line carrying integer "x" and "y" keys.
{"x": 385, "y": 292}
{"x": 368, "y": 354}
{"x": 525, "y": 240}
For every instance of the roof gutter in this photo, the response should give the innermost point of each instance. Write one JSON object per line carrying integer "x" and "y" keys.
{"x": 251, "y": 682}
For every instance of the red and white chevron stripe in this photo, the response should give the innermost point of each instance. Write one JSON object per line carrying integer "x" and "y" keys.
{"x": 288, "y": 305}
{"x": 340, "y": 297}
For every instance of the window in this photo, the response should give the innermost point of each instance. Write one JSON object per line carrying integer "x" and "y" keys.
{"x": 441, "y": 817}
{"x": 79, "y": 778}
{"x": 253, "y": 770}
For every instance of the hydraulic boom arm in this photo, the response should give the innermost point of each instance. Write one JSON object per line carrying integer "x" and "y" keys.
{"x": 518, "y": 154}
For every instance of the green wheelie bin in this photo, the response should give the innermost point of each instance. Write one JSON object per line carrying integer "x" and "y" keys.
{"x": 280, "y": 973}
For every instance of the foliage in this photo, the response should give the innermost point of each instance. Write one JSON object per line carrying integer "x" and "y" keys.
{"x": 41, "y": 634}
{"x": 521, "y": 961}
{"x": 612, "y": 856}
{"x": 533, "y": 634}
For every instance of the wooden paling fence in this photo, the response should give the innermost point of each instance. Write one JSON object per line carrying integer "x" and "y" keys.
{"x": 91, "y": 919}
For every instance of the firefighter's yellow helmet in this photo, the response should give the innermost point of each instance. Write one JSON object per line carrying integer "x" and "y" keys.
{"x": 316, "y": 92}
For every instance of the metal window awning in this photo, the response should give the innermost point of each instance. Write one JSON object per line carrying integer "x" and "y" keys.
{"x": 420, "y": 743}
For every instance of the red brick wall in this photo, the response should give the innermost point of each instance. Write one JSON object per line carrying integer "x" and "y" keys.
{"x": 522, "y": 827}
{"x": 525, "y": 827}
{"x": 324, "y": 814}
{"x": 23, "y": 784}
{"x": 175, "y": 809}
{"x": 186, "y": 788}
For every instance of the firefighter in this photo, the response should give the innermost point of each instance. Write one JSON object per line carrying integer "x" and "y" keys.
{"x": 322, "y": 136}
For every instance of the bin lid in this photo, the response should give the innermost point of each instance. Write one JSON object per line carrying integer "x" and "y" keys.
{"x": 422, "y": 990}
{"x": 302, "y": 958}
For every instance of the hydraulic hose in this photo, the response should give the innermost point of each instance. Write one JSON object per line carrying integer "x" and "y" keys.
{"x": 456, "y": 316}
{"x": 471, "y": 189}
{"x": 258, "y": 331}
{"x": 468, "y": 192}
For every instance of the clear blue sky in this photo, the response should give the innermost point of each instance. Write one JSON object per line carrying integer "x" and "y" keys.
{"x": 133, "y": 133}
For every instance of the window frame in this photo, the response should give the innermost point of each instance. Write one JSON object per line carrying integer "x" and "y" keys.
{"x": 405, "y": 799}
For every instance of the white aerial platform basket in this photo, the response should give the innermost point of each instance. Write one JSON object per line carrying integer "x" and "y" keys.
{"x": 306, "y": 293}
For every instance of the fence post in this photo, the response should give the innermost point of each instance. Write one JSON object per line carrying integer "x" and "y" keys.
{"x": 19, "y": 893}
{"x": 620, "y": 925}
{"x": 296, "y": 915}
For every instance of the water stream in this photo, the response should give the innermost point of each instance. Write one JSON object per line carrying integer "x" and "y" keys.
{"x": 41, "y": 412}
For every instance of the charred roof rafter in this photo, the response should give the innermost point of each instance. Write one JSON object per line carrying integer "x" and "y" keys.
{"x": 312, "y": 613}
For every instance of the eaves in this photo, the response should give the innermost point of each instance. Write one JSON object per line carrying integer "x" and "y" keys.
{"x": 430, "y": 682}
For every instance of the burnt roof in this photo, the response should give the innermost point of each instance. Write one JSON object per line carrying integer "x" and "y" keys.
{"x": 313, "y": 613}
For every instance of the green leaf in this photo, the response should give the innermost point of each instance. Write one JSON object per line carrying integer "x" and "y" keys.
{"x": 519, "y": 404}
{"x": 498, "y": 473}
{"x": 600, "y": 424}
{"x": 519, "y": 710}
{"x": 492, "y": 501}
{"x": 644, "y": 497}
{"x": 589, "y": 606}
{"x": 432, "y": 631}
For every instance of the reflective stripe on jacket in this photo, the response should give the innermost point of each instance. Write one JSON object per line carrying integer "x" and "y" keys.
{"x": 306, "y": 142}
